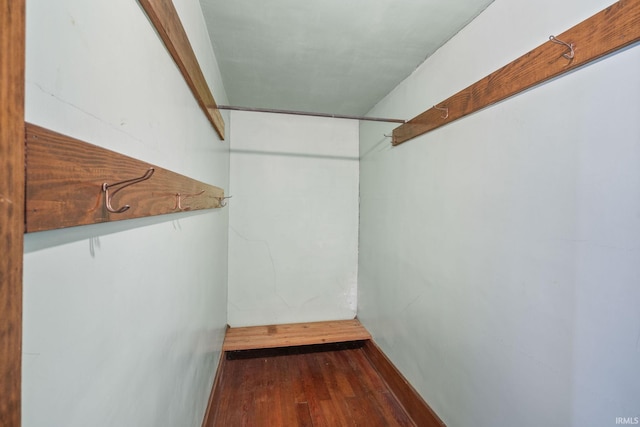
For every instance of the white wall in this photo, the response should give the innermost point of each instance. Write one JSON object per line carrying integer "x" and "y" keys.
{"x": 500, "y": 255}
{"x": 123, "y": 322}
{"x": 293, "y": 239}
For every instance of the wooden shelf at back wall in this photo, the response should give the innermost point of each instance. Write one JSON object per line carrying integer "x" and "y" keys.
{"x": 610, "y": 30}
{"x": 65, "y": 176}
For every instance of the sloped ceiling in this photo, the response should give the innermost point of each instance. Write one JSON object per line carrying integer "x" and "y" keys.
{"x": 326, "y": 56}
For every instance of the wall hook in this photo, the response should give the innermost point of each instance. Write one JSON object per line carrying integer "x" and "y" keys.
{"x": 124, "y": 184}
{"x": 221, "y": 201}
{"x": 445, "y": 109}
{"x": 180, "y": 197}
{"x": 388, "y": 136}
{"x": 569, "y": 55}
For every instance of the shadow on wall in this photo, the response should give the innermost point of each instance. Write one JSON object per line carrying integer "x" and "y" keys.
{"x": 47, "y": 239}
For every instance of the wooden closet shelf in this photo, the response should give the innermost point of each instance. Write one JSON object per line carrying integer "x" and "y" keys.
{"x": 295, "y": 334}
{"x": 164, "y": 17}
{"x": 608, "y": 31}
{"x": 65, "y": 178}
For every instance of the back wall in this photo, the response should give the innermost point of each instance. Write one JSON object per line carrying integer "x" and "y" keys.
{"x": 293, "y": 239}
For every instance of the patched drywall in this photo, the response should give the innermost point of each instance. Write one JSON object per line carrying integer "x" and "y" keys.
{"x": 294, "y": 219}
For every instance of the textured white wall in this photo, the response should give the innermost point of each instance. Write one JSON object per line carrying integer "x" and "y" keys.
{"x": 123, "y": 322}
{"x": 500, "y": 255}
{"x": 293, "y": 239}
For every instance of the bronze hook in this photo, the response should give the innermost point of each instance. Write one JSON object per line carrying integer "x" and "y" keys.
{"x": 128, "y": 182}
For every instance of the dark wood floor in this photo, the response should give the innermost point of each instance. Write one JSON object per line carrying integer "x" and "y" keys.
{"x": 328, "y": 386}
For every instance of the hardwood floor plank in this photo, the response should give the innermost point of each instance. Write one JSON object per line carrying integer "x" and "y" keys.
{"x": 303, "y": 416}
{"x": 315, "y": 390}
{"x": 300, "y": 395}
{"x": 365, "y": 412}
{"x": 287, "y": 377}
{"x": 315, "y": 385}
{"x": 342, "y": 375}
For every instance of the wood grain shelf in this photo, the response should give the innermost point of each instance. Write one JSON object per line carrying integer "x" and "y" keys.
{"x": 294, "y": 334}
{"x": 608, "y": 31}
{"x": 165, "y": 19}
{"x": 64, "y": 179}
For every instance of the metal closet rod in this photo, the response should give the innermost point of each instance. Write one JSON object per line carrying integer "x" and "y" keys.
{"x": 306, "y": 113}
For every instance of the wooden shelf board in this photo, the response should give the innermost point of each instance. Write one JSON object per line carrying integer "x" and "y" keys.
{"x": 294, "y": 334}
{"x": 608, "y": 31}
{"x": 164, "y": 17}
{"x": 64, "y": 178}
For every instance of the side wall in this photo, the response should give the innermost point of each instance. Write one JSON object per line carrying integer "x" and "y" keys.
{"x": 123, "y": 322}
{"x": 293, "y": 239}
{"x": 499, "y": 255}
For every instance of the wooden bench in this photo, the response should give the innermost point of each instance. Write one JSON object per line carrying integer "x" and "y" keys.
{"x": 294, "y": 334}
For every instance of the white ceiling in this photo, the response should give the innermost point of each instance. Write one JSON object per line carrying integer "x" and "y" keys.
{"x": 326, "y": 56}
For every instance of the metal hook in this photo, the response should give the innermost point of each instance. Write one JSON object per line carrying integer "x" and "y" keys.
{"x": 179, "y": 200}
{"x": 571, "y": 52}
{"x": 125, "y": 183}
{"x": 445, "y": 109}
{"x": 221, "y": 201}
{"x": 388, "y": 136}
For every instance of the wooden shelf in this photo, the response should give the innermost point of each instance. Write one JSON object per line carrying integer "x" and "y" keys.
{"x": 165, "y": 19}
{"x": 610, "y": 30}
{"x": 64, "y": 178}
{"x": 295, "y": 334}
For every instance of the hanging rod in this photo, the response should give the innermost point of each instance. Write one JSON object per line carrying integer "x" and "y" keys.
{"x": 305, "y": 113}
